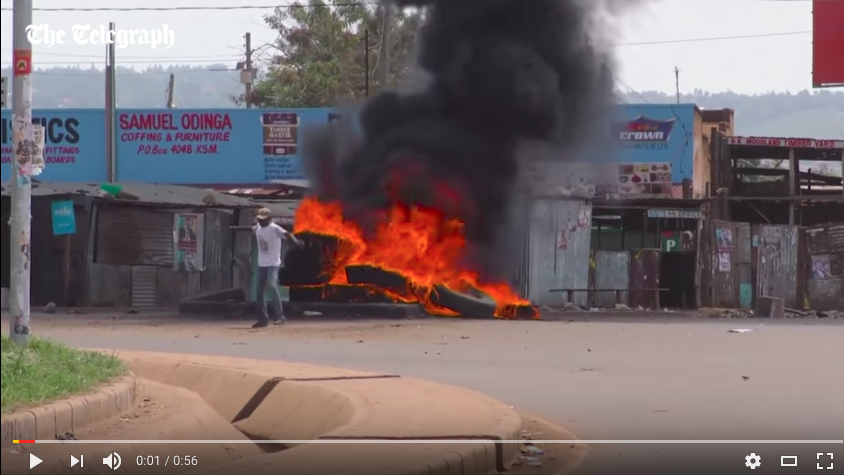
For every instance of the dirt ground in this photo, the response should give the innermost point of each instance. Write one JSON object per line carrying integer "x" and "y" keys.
{"x": 161, "y": 413}
{"x": 662, "y": 376}
{"x": 168, "y": 413}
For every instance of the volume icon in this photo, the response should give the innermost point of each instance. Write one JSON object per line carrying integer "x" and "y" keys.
{"x": 112, "y": 461}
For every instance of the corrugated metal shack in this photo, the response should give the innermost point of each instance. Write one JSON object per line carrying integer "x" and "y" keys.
{"x": 126, "y": 249}
{"x": 825, "y": 282}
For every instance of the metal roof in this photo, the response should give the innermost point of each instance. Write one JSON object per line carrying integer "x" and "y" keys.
{"x": 147, "y": 193}
{"x": 283, "y": 210}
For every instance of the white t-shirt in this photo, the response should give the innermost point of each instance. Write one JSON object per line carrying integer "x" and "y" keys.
{"x": 270, "y": 244}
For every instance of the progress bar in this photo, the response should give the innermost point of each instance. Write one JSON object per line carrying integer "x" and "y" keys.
{"x": 426, "y": 441}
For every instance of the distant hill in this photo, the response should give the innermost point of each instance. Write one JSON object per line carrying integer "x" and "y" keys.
{"x": 818, "y": 114}
{"x": 79, "y": 87}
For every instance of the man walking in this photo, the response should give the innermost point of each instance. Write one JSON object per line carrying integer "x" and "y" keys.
{"x": 272, "y": 240}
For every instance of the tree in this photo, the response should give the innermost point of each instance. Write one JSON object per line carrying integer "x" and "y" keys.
{"x": 320, "y": 57}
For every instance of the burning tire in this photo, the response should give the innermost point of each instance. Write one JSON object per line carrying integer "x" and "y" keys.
{"x": 310, "y": 265}
{"x": 338, "y": 294}
{"x": 475, "y": 304}
{"x": 375, "y": 276}
{"x": 520, "y": 312}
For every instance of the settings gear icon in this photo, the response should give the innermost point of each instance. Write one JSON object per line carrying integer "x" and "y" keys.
{"x": 753, "y": 461}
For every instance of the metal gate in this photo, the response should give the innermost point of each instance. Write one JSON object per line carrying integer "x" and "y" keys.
{"x": 728, "y": 274}
{"x": 144, "y": 286}
{"x": 612, "y": 272}
{"x": 777, "y": 248}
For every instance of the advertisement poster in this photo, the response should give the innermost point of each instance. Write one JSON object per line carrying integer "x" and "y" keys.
{"x": 678, "y": 241}
{"x": 821, "y": 267}
{"x": 251, "y": 146}
{"x": 651, "y": 179}
{"x": 725, "y": 263}
{"x": 187, "y": 237}
{"x": 64, "y": 217}
{"x": 562, "y": 240}
{"x": 73, "y": 149}
{"x": 827, "y": 38}
{"x": 212, "y": 146}
{"x": 584, "y": 217}
{"x": 724, "y": 237}
{"x": 659, "y": 136}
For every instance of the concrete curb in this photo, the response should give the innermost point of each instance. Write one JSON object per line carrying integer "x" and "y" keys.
{"x": 276, "y": 400}
{"x": 70, "y": 415}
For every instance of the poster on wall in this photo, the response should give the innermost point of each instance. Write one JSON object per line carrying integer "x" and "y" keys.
{"x": 280, "y": 139}
{"x": 562, "y": 240}
{"x": 644, "y": 179}
{"x": 820, "y": 267}
{"x": 64, "y": 217}
{"x": 725, "y": 262}
{"x": 584, "y": 217}
{"x": 187, "y": 242}
{"x": 677, "y": 241}
{"x": 724, "y": 238}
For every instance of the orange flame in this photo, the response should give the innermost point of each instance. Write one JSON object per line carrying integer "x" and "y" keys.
{"x": 418, "y": 243}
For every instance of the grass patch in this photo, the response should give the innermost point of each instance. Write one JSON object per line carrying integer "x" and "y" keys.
{"x": 44, "y": 371}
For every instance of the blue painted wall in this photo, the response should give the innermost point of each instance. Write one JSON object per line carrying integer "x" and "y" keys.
{"x": 255, "y": 145}
{"x": 657, "y": 133}
{"x": 212, "y": 146}
{"x": 74, "y": 144}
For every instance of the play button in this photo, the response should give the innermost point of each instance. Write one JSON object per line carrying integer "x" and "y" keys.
{"x": 33, "y": 461}
{"x": 73, "y": 461}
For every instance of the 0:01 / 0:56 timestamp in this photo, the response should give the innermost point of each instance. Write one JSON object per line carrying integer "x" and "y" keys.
{"x": 175, "y": 460}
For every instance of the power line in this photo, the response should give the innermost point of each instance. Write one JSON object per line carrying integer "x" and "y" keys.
{"x": 98, "y": 72}
{"x": 219, "y": 59}
{"x": 195, "y": 8}
{"x": 99, "y": 56}
{"x": 211, "y": 59}
{"x": 312, "y": 5}
{"x": 144, "y": 61}
{"x": 714, "y": 38}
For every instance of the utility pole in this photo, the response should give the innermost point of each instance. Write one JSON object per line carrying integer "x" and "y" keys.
{"x": 386, "y": 47}
{"x": 677, "y": 82}
{"x": 24, "y": 145}
{"x": 247, "y": 80}
{"x": 111, "y": 108}
{"x": 366, "y": 62}
{"x": 171, "y": 87}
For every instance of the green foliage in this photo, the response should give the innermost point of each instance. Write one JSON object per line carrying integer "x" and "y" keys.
{"x": 44, "y": 370}
{"x": 320, "y": 56}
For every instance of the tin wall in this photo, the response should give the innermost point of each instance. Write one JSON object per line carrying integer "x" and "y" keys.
{"x": 559, "y": 241}
{"x": 778, "y": 251}
{"x": 825, "y": 252}
{"x": 722, "y": 276}
{"x": 743, "y": 269}
{"x": 612, "y": 271}
{"x": 132, "y": 262}
{"x": 644, "y": 278}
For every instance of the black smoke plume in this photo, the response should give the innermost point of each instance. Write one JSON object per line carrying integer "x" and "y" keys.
{"x": 500, "y": 72}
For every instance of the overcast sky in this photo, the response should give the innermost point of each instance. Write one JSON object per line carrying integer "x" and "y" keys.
{"x": 745, "y": 46}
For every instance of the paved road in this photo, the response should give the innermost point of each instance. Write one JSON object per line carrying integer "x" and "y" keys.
{"x": 618, "y": 379}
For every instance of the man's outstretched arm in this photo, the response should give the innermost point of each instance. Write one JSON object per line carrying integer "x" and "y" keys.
{"x": 285, "y": 234}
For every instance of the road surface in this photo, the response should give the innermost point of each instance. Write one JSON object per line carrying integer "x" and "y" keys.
{"x": 623, "y": 378}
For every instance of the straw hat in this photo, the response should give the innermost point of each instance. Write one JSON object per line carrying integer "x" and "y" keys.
{"x": 264, "y": 213}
